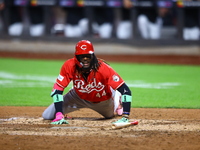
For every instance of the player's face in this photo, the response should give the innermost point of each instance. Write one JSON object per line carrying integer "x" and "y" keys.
{"x": 85, "y": 60}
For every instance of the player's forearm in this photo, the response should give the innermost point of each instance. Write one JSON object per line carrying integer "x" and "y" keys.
{"x": 58, "y": 106}
{"x": 126, "y": 103}
{"x": 58, "y": 100}
{"x": 126, "y": 99}
{"x": 57, "y": 95}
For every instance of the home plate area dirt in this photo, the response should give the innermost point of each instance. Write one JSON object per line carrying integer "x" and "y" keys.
{"x": 23, "y": 128}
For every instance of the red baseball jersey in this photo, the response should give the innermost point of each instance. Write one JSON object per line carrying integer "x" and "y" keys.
{"x": 97, "y": 86}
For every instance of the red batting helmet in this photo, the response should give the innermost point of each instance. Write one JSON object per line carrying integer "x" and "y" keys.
{"x": 84, "y": 47}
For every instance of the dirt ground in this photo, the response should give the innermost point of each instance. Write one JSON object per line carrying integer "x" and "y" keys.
{"x": 158, "y": 129}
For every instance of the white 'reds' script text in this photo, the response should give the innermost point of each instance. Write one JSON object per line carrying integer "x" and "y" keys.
{"x": 92, "y": 86}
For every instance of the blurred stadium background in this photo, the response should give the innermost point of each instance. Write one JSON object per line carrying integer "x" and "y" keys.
{"x": 53, "y": 38}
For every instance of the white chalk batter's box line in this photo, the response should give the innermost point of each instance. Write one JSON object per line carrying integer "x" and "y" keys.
{"x": 10, "y": 80}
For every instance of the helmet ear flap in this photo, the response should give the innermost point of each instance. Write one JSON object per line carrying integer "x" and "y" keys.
{"x": 77, "y": 62}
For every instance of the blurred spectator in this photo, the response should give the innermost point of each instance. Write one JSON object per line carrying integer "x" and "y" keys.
{"x": 58, "y": 19}
{"x": 124, "y": 28}
{"x": 150, "y": 20}
{"x": 36, "y": 20}
{"x": 103, "y": 22}
{"x": 1, "y": 6}
{"x": 191, "y": 29}
{"x": 16, "y": 25}
{"x": 77, "y": 22}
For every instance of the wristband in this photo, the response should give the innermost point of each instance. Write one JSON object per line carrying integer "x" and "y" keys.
{"x": 126, "y": 113}
{"x": 126, "y": 98}
{"x": 57, "y": 98}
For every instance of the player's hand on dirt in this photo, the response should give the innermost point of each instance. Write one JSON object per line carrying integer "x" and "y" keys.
{"x": 122, "y": 120}
{"x": 59, "y": 116}
{"x": 59, "y": 119}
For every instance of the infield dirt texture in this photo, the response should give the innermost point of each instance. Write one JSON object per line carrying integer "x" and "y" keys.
{"x": 22, "y": 128}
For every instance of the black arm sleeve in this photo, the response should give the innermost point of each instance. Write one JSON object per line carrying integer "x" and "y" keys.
{"x": 58, "y": 107}
{"x": 124, "y": 89}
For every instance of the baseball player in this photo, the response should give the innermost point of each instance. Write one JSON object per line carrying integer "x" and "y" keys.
{"x": 95, "y": 85}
